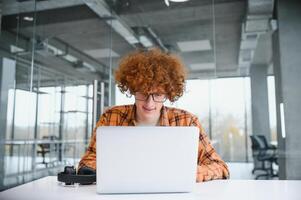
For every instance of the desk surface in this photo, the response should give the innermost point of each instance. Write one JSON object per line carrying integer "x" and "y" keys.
{"x": 49, "y": 188}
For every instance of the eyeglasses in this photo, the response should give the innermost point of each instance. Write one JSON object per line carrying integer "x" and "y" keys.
{"x": 159, "y": 98}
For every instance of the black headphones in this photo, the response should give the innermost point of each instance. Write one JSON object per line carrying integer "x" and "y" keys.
{"x": 85, "y": 176}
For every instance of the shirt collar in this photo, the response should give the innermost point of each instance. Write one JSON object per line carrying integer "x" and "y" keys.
{"x": 131, "y": 116}
{"x": 163, "y": 121}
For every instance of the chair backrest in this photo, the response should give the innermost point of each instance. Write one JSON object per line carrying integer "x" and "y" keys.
{"x": 47, "y": 145}
{"x": 50, "y": 137}
{"x": 258, "y": 147}
{"x": 255, "y": 143}
{"x": 263, "y": 140}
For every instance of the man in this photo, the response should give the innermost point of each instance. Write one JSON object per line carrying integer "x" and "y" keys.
{"x": 153, "y": 77}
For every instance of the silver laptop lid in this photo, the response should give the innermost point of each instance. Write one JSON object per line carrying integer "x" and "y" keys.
{"x": 146, "y": 159}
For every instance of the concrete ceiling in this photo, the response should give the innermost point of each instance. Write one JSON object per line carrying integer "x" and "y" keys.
{"x": 73, "y": 25}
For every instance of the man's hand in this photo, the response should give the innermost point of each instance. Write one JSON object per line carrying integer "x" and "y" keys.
{"x": 204, "y": 173}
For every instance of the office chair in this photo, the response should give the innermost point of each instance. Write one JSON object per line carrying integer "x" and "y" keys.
{"x": 265, "y": 155}
{"x": 46, "y": 148}
{"x": 266, "y": 144}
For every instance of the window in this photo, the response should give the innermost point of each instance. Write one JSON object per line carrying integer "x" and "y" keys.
{"x": 223, "y": 108}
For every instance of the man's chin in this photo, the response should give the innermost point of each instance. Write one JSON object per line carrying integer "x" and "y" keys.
{"x": 149, "y": 113}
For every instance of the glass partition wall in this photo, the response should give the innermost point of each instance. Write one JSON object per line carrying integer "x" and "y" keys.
{"x": 49, "y": 103}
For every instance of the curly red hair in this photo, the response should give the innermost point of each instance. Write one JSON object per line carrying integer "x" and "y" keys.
{"x": 144, "y": 71}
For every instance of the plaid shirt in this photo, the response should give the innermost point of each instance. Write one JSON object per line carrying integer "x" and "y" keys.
{"x": 210, "y": 165}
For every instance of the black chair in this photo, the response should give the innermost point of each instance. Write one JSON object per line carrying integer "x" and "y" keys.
{"x": 264, "y": 155}
{"x": 45, "y": 148}
{"x": 266, "y": 144}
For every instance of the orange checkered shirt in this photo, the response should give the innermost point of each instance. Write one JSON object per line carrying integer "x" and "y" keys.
{"x": 210, "y": 165}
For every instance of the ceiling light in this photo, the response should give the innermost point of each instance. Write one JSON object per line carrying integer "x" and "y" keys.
{"x": 178, "y": 1}
{"x": 202, "y": 66}
{"x": 145, "y": 41}
{"x": 195, "y": 45}
{"x": 70, "y": 58}
{"x": 102, "y": 53}
{"x": 53, "y": 49}
{"x": 104, "y": 11}
{"x": 123, "y": 31}
{"x": 27, "y": 18}
{"x": 16, "y": 49}
{"x": 166, "y": 2}
{"x": 90, "y": 67}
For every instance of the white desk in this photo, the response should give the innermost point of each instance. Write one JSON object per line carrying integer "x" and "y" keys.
{"x": 49, "y": 188}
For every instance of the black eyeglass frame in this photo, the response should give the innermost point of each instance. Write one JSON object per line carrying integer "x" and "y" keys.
{"x": 146, "y": 98}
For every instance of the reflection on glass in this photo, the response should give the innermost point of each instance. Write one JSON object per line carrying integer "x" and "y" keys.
{"x": 272, "y": 107}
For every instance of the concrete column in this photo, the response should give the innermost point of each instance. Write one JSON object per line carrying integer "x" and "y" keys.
{"x": 0, "y": 15}
{"x": 287, "y": 62}
{"x": 278, "y": 95}
{"x": 260, "y": 104}
{"x": 7, "y": 80}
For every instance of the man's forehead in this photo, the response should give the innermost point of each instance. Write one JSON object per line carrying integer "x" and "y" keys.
{"x": 159, "y": 90}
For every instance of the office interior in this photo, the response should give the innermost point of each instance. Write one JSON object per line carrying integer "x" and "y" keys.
{"x": 57, "y": 62}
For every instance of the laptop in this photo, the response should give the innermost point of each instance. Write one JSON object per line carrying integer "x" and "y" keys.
{"x": 146, "y": 159}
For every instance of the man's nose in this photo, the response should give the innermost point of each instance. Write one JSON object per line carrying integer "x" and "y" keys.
{"x": 150, "y": 99}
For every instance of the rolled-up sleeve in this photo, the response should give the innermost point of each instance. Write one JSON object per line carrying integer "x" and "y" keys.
{"x": 89, "y": 158}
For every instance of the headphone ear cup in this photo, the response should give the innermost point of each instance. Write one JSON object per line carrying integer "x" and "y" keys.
{"x": 86, "y": 171}
{"x": 70, "y": 170}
